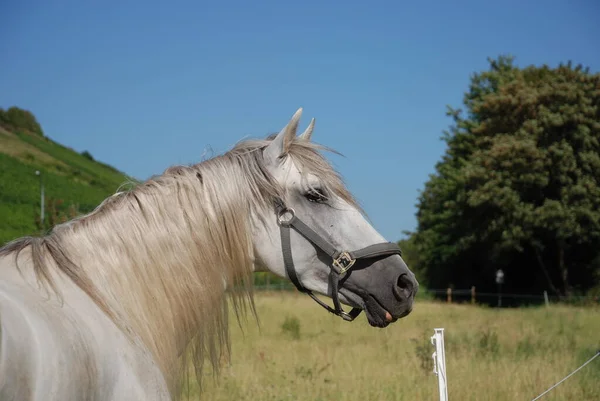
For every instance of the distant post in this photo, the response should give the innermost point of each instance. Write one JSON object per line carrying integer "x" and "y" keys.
{"x": 37, "y": 172}
{"x": 499, "y": 282}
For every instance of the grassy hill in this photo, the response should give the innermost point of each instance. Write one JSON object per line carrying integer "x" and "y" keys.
{"x": 74, "y": 182}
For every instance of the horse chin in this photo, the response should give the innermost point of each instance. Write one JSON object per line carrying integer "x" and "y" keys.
{"x": 375, "y": 312}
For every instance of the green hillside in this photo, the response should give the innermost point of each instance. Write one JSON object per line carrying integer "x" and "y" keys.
{"x": 74, "y": 182}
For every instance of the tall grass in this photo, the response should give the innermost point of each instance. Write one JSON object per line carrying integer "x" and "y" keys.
{"x": 302, "y": 353}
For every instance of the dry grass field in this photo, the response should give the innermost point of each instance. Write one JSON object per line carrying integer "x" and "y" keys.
{"x": 300, "y": 352}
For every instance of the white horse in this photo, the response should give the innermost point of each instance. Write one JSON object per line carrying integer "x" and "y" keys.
{"x": 110, "y": 305}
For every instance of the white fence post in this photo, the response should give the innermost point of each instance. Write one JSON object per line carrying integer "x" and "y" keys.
{"x": 439, "y": 362}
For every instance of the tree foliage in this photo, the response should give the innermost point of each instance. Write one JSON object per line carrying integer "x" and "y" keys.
{"x": 16, "y": 118}
{"x": 519, "y": 185}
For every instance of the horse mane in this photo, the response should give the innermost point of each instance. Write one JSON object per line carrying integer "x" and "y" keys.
{"x": 161, "y": 257}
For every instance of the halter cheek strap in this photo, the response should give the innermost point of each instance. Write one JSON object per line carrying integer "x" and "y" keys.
{"x": 341, "y": 261}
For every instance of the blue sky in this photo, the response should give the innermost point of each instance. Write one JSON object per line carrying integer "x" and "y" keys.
{"x": 144, "y": 85}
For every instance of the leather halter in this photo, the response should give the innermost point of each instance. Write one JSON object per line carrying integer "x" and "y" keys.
{"x": 341, "y": 261}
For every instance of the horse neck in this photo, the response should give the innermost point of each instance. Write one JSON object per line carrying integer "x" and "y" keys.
{"x": 163, "y": 255}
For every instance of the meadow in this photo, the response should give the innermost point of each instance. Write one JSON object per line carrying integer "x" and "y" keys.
{"x": 300, "y": 352}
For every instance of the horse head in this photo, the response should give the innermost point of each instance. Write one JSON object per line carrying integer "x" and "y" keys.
{"x": 317, "y": 236}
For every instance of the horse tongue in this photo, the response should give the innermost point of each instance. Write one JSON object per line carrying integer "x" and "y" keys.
{"x": 388, "y": 317}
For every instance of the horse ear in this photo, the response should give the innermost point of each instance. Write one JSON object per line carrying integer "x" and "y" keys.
{"x": 305, "y": 136}
{"x": 281, "y": 143}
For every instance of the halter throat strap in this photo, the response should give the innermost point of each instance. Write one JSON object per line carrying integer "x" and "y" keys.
{"x": 341, "y": 261}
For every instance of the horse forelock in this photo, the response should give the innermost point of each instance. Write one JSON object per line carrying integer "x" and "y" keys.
{"x": 308, "y": 158}
{"x": 161, "y": 255}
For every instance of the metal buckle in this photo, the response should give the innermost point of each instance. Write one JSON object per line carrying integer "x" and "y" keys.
{"x": 344, "y": 262}
{"x": 346, "y": 316}
{"x": 282, "y": 212}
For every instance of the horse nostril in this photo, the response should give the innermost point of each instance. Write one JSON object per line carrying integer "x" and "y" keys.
{"x": 404, "y": 282}
{"x": 403, "y": 290}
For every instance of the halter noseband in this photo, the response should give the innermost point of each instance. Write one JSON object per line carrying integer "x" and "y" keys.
{"x": 341, "y": 263}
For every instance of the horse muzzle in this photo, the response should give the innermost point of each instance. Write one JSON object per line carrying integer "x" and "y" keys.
{"x": 386, "y": 288}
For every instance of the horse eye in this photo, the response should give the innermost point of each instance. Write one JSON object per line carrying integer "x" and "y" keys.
{"x": 316, "y": 195}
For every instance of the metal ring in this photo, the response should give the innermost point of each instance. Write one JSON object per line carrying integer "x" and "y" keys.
{"x": 283, "y": 211}
{"x": 346, "y": 316}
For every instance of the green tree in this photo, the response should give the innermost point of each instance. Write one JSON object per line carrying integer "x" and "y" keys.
{"x": 17, "y": 118}
{"x": 519, "y": 184}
